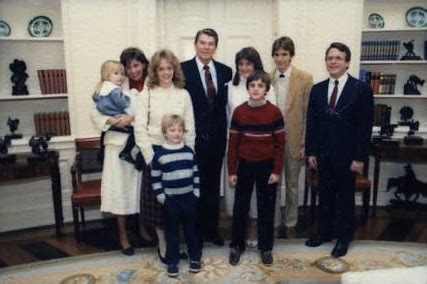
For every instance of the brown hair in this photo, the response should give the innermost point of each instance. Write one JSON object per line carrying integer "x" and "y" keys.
{"x": 285, "y": 43}
{"x": 178, "y": 76}
{"x": 208, "y": 32}
{"x": 259, "y": 75}
{"x": 341, "y": 47}
{"x": 135, "y": 53}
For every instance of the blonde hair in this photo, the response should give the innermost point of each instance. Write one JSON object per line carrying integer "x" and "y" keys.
{"x": 170, "y": 120}
{"x": 107, "y": 68}
{"x": 153, "y": 78}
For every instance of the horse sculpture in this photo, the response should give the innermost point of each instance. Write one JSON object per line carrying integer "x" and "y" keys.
{"x": 407, "y": 185}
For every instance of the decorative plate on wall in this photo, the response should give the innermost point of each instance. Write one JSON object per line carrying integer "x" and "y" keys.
{"x": 376, "y": 21}
{"x": 4, "y": 29}
{"x": 417, "y": 17}
{"x": 40, "y": 26}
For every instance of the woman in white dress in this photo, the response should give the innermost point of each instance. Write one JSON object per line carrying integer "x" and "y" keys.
{"x": 121, "y": 181}
{"x": 247, "y": 60}
{"x": 165, "y": 94}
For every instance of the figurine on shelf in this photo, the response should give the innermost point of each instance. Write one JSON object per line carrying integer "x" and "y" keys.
{"x": 409, "y": 187}
{"x": 18, "y": 68}
{"x": 410, "y": 55}
{"x": 4, "y": 156}
{"x": 13, "y": 126}
{"x": 411, "y": 85}
{"x": 38, "y": 144}
{"x": 406, "y": 114}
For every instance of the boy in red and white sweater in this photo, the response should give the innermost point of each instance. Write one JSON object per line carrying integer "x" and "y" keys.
{"x": 255, "y": 155}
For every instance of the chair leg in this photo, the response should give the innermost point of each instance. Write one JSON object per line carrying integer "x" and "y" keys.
{"x": 75, "y": 209}
{"x": 82, "y": 213}
{"x": 365, "y": 199}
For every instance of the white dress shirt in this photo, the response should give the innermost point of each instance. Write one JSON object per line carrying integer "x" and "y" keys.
{"x": 341, "y": 83}
{"x": 202, "y": 72}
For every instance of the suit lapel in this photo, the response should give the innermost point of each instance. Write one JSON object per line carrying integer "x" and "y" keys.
{"x": 346, "y": 93}
{"x": 293, "y": 83}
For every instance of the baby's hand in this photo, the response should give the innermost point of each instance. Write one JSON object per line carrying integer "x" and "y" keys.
{"x": 273, "y": 179}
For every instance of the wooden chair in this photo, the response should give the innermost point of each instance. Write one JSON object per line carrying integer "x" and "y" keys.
{"x": 363, "y": 185}
{"x": 85, "y": 193}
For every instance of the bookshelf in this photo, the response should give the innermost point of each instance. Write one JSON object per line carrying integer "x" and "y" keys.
{"x": 38, "y": 54}
{"x": 379, "y": 57}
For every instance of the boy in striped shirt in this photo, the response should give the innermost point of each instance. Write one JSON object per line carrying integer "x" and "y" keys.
{"x": 175, "y": 180}
{"x": 255, "y": 155}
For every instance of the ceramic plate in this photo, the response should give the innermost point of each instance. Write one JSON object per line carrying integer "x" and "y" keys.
{"x": 40, "y": 26}
{"x": 4, "y": 29}
{"x": 417, "y": 17}
{"x": 376, "y": 21}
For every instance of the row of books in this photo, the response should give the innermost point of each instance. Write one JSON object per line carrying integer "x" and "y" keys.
{"x": 380, "y": 50}
{"x": 382, "y": 114}
{"x": 56, "y": 123}
{"x": 381, "y": 84}
{"x": 52, "y": 81}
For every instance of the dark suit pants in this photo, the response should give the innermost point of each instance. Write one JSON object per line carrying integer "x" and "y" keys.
{"x": 249, "y": 173}
{"x": 210, "y": 175}
{"x": 336, "y": 198}
{"x": 181, "y": 209}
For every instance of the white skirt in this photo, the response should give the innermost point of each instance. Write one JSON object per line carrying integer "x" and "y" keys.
{"x": 121, "y": 184}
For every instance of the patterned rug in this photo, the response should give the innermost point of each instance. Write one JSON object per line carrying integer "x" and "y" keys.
{"x": 293, "y": 263}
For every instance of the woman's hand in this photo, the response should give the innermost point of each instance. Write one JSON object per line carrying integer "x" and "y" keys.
{"x": 123, "y": 120}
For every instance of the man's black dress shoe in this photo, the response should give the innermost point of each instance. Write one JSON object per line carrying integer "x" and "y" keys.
{"x": 340, "y": 249}
{"x": 234, "y": 256}
{"x": 316, "y": 242}
{"x": 267, "y": 258}
{"x": 128, "y": 251}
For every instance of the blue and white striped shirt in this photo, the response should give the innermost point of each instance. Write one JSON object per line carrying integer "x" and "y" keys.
{"x": 174, "y": 170}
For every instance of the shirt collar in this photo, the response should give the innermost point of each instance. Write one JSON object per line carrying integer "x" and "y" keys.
{"x": 200, "y": 65}
{"x": 341, "y": 80}
{"x": 287, "y": 72}
{"x": 169, "y": 146}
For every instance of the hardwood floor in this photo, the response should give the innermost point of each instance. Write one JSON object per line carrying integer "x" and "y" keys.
{"x": 31, "y": 245}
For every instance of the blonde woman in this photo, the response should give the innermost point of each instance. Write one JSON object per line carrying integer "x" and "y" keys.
{"x": 164, "y": 95}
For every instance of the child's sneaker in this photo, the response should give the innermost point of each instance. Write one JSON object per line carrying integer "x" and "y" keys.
{"x": 172, "y": 270}
{"x": 195, "y": 266}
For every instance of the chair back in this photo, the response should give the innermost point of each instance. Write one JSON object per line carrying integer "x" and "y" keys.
{"x": 87, "y": 162}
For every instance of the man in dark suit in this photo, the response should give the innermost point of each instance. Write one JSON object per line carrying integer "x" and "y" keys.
{"x": 206, "y": 81}
{"x": 338, "y": 133}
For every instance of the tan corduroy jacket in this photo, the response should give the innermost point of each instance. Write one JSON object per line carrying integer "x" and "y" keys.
{"x": 300, "y": 83}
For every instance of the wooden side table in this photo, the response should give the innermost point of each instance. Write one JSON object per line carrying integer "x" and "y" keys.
{"x": 22, "y": 169}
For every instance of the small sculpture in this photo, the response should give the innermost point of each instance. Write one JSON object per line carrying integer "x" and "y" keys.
{"x": 410, "y": 55}
{"x": 408, "y": 186}
{"x": 18, "y": 68}
{"x": 4, "y": 156}
{"x": 39, "y": 145}
{"x": 411, "y": 85}
{"x": 13, "y": 126}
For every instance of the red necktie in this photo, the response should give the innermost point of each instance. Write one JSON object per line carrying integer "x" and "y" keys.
{"x": 210, "y": 87}
{"x": 333, "y": 99}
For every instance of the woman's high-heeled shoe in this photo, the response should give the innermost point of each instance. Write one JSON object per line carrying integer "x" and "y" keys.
{"x": 162, "y": 259}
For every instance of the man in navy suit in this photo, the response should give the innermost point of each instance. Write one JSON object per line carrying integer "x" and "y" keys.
{"x": 206, "y": 81}
{"x": 339, "y": 128}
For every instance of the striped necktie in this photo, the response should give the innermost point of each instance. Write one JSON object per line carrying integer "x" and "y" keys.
{"x": 210, "y": 87}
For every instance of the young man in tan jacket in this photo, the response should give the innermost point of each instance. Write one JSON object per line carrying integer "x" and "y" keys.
{"x": 292, "y": 87}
